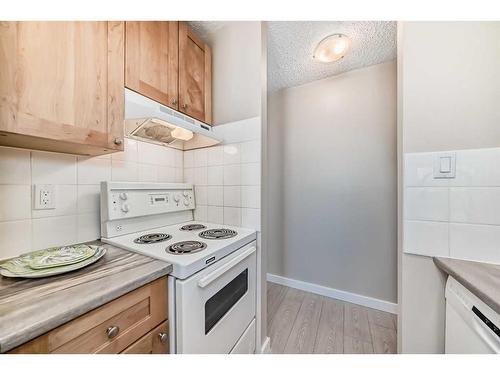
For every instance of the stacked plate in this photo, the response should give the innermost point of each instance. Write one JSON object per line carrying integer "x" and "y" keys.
{"x": 53, "y": 261}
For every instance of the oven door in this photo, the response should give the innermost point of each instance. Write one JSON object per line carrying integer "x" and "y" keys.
{"x": 215, "y": 306}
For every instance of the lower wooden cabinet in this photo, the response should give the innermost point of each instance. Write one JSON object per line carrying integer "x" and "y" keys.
{"x": 133, "y": 323}
{"x": 155, "y": 342}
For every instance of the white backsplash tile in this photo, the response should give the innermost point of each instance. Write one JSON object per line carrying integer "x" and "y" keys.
{"x": 475, "y": 242}
{"x": 54, "y": 231}
{"x": 92, "y": 171}
{"x": 166, "y": 174}
{"x": 189, "y": 175}
{"x": 250, "y": 152}
{"x": 189, "y": 159}
{"x": 215, "y": 175}
{"x": 425, "y": 203}
{"x": 51, "y": 168}
{"x": 15, "y": 166}
{"x": 201, "y": 213}
{"x": 124, "y": 171}
{"x": 66, "y": 202}
{"x": 233, "y": 166}
{"x": 419, "y": 170}
{"x": 426, "y": 238}
{"x": 200, "y": 176}
{"x": 148, "y": 173}
{"x": 250, "y": 218}
{"x": 215, "y": 156}
{"x": 15, "y": 238}
{"x": 15, "y": 202}
{"x": 232, "y": 196}
{"x": 477, "y": 168}
{"x": 88, "y": 198}
{"x": 250, "y": 196}
{"x": 475, "y": 205}
{"x": 200, "y": 194}
{"x": 232, "y": 216}
{"x": 232, "y": 154}
{"x": 215, "y": 196}
{"x": 77, "y": 191}
{"x": 89, "y": 227}
{"x": 200, "y": 158}
{"x": 250, "y": 174}
{"x": 232, "y": 174}
{"x": 130, "y": 151}
{"x": 178, "y": 158}
{"x": 178, "y": 175}
{"x": 215, "y": 214}
{"x": 149, "y": 153}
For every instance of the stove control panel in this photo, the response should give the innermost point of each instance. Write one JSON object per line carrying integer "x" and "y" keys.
{"x": 129, "y": 202}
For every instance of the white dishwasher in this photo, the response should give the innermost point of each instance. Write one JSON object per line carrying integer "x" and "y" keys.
{"x": 471, "y": 325}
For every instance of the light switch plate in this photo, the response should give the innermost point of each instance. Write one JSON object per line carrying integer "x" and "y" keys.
{"x": 45, "y": 197}
{"x": 445, "y": 165}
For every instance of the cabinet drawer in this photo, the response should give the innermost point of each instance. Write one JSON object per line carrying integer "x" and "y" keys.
{"x": 154, "y": 342}
{"x": 110, "y": 328}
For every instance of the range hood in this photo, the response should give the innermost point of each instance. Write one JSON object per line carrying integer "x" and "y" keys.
{"x": 150, "y": 121}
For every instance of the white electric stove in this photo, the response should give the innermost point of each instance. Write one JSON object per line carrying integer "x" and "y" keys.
{"x": 212, "y": 288}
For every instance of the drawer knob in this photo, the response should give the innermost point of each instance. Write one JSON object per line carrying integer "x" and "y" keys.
{"x": 112, "y": 331}
{"x": 118, "y": 141}
{"x": 163, "y": 337}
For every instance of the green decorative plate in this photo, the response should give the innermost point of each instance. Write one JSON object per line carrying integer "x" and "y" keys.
{"x": 61, "y": 256}
{"x": 20, "y": 267}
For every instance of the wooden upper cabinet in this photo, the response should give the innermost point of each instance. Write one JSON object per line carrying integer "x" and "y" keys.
{"x": 151, "y": 60}
{"x": 195, "y": 75}
{"x": 61, "y": 86}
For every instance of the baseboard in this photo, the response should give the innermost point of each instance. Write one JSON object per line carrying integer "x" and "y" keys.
{"x": 266, "y": 347}
{"x": 357, "y": 299}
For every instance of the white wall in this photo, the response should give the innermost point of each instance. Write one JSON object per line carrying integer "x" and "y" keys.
{"x": 451, "y": 87}
{"x": 76, "y": 180}
{"x": 450, "y": 92}
{"x": 332, "y": 151}
{"x": 236, "y": 72}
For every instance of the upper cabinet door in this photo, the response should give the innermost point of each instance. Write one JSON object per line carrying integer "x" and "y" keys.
{"x": 61, "y": 86}
{"x": 195, "y": 75}
{"x": 151, "y": 65}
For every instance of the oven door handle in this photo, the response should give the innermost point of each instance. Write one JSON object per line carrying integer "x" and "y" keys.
{"x": 203, "y": 282}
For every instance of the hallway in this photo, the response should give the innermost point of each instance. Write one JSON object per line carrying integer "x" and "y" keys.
{"x": 303, "y": 322}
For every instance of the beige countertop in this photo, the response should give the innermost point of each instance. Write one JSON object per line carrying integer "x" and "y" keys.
{"x": 32, "y": 307}
{"x": 482, "y": 279}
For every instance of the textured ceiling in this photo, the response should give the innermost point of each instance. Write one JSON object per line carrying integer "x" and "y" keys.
{"x": 291, "y": 45}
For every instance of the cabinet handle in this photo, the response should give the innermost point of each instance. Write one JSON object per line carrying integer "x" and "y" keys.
{"x": 184, "y": 106}
{"x": 163, "y": 337}
{"x": 112, "y": 331}
{"x": 174, "y": 101}
{"x": 117, "y": 141}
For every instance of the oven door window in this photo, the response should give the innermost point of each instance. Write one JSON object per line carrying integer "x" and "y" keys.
{"x": 221, "y": 302}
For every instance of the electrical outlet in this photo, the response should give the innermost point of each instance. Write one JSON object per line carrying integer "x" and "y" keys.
{"x": 45, "y": 197}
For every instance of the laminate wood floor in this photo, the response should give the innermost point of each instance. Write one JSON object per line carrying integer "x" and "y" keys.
{"x": 301, "y": 322}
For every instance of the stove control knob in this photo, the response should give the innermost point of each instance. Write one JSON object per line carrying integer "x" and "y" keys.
{"x": 125, "y": 207}
{"x": 186, "y": 193}
{"x": 186, "y": 202}
{"x": 123, "y": 196}
{"x": 177, "y": 197}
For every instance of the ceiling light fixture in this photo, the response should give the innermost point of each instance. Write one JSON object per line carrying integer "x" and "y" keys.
{"x": 332, "y": 48}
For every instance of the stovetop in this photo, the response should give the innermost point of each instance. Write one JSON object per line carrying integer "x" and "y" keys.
{"x": 180, "y": 249}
